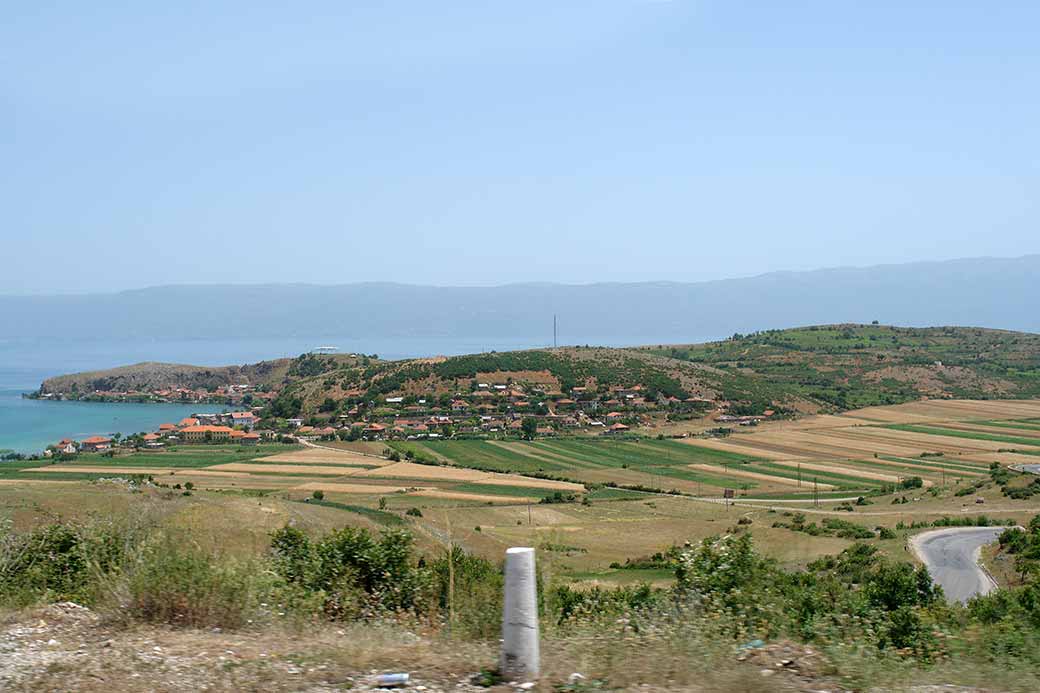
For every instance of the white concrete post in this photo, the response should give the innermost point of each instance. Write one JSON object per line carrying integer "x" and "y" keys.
{"x": 520, "y": 645}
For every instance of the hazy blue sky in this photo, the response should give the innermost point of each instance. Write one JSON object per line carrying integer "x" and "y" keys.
{"x": 492, "y": 142}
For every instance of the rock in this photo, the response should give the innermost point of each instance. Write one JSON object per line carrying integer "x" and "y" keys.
{"x": 767, "y": 672}
{"x": 575, "y": 678}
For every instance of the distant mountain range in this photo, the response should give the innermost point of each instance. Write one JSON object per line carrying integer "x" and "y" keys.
{"x": 984, "y": 292}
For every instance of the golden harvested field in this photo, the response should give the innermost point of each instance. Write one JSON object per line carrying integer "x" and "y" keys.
{"x": 947, "y": 410}
{"x": 299, "y": 469}
{"x": 323, "y": 456}
{"x": 410, "y": 470}
{"x": 530, "y": 482}
{"x": 129, "y": 471}
{"x": 891, "y": 478}
{"x": 335, "y": 487}
{"x": 856, "y": 444}
{"x": 741, "y": 474}
{"x": 479, "y": 497}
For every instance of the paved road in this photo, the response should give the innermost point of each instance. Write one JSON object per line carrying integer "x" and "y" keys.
{"x": 952, "y": 557}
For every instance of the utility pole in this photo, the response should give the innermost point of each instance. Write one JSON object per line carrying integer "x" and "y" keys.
{"x": 799, "y": 475}
{"x": 528, "y": 513}
{"x": 815, "y": 493}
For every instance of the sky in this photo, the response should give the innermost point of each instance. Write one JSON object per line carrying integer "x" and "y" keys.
{"x": 484, "y": 143}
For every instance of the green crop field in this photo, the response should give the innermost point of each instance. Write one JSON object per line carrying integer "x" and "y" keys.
{"x": 929, "y": 466}
{"x": 846, "y": 481}
{"x": 957, "y": 433}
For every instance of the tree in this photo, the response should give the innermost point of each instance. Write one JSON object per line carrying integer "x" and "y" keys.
{"x": 529, "y": 427}
{"x": 318, "y": 495}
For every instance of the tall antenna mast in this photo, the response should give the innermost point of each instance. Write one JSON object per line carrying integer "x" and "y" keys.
{"x": 554, "y": 330}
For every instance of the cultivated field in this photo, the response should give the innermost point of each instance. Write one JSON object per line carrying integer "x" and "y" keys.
{"x": 942, "y": 442}
{"x": 641, "y": 496}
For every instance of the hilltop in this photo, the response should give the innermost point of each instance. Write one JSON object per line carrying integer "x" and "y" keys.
{"x": 149, "y": 376}
{"x": 841, "y": 367}
{"x": 802, "y": 370}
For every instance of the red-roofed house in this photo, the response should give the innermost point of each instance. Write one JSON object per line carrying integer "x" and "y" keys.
{"x": 66, "y": 447}
{"x": 96, "y": 444}
{"x": 374, "y": 430}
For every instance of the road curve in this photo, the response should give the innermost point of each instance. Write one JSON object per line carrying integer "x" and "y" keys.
{"x": 952, "y": 557}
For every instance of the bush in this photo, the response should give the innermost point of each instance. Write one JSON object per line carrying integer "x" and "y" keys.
{"x": 177, "y": 584}
{"x": 56, "y": 562}
{"x": 318, "y": 495}
{"x": 414, "y": 512}
{"x": 358, "y": 574}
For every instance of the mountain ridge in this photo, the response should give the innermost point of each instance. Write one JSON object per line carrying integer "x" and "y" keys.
{"x": 989, "y": 292}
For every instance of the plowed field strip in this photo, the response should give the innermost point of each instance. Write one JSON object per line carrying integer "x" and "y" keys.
{"x": 846, "y": 471}
{"x": 760, "y": 476}
{"x": 968, "y": 435}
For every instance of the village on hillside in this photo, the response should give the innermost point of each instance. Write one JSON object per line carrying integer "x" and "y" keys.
{"x": 489, "y": 409}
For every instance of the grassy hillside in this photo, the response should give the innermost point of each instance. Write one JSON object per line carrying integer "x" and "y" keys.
{"x": 829, "y": 368}
{"x": 808, "y": 369}
{"x": 843, "y": 367}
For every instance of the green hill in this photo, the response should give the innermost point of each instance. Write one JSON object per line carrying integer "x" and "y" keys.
{"x": 850, "y": 366}
{"x": 819, "y": 368}
{"x": 806, "y": 369}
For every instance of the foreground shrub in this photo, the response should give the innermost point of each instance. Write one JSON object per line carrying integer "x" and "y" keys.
{"x": 56, "y": 562}
{"x": 358, "y": 575}
{"x": 178, "y": 584}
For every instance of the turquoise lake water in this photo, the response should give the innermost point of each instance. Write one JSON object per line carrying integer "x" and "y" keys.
{"x": 31, "y": 425}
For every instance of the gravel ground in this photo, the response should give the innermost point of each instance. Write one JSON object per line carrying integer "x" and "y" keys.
{"x": 66, "y": 647}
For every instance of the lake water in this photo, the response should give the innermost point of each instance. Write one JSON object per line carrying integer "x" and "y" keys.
{"x": 30, "y": 425}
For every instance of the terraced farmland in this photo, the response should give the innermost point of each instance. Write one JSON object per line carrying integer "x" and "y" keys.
{"x": 942, "y": 442}
{"x": 296, "y": 473}
{"x": 663, "y": 465}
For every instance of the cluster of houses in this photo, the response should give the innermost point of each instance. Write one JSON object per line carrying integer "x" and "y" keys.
{"x": 488, "y": 408}
{"x": 496, "y": 408}
{"x": 238, "y": 426}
